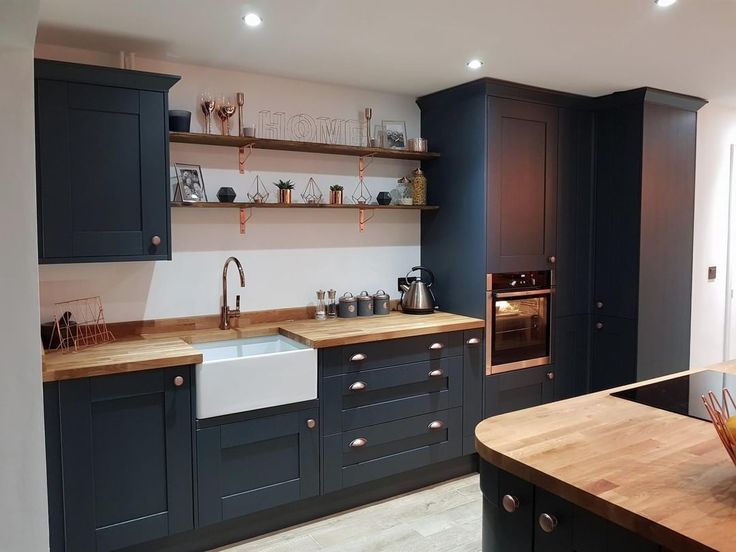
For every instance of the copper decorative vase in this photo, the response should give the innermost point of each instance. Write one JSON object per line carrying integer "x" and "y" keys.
{"x": 284, "y": 196}
{"x": 336, "y": 197}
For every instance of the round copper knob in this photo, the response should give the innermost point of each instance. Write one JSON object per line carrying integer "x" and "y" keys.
{"x": 510, "y": 503}
{"x": 599, "y": 325}
{"x": 547, "y": 522}
{"x": 550, "y": 375}
{"x": 552, "y": 259}
{"x": 599, "y": 304}
{"x": 178, "y": 381}
{"x": 156, "y": 240}
{"x": 311, "y": 423}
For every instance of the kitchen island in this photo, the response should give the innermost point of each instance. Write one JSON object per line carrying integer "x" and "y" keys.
{"x": 599, "y": 472}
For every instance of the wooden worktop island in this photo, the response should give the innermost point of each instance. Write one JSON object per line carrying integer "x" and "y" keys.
{"x": 662, "y": 480}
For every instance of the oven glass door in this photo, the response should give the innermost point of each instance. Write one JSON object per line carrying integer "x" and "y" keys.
{"x": 520, "y": 330}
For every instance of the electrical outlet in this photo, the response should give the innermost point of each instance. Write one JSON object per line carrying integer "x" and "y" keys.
{"x": 403, "y": 280}
{"x": 711, "y": 273}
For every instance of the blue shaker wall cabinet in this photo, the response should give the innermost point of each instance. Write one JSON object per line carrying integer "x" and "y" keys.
{"x": 102, "y": 163}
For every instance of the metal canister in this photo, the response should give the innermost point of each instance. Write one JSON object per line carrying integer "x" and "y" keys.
{"x": 348, "y": 307}
{"x": 365, "y": 304}
{"x": 381, "y": 302}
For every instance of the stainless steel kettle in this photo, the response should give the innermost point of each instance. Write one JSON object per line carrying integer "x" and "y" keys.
{"x": 417, "y": 298}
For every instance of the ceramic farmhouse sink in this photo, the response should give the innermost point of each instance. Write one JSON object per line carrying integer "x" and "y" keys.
{"x": 257, "y": 372}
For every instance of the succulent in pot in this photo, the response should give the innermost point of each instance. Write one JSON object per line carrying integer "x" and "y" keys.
{"x": 285, "y": 187}
{"x": 336, "y": 194}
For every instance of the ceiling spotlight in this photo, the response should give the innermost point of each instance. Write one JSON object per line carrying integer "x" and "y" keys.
{"x": 664, "y": 3}
{"x": 252, "y": 19}
{"x": 474, "y": 64}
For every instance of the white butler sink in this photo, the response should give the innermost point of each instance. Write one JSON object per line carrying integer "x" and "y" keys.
{"x": 257, "y": 372}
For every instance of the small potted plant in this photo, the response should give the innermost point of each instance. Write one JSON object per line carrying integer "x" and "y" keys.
{"x": 336, "y": 194}
{"x": 285, "y": 187}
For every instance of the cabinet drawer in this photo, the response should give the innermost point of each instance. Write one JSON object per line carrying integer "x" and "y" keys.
{"x": 370, "y": 453}
{"x": 377, "y": 354}
{"x": 372, "y": 397}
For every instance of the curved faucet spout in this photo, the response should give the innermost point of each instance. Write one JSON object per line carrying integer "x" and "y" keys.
{"x": 226, "y": 313}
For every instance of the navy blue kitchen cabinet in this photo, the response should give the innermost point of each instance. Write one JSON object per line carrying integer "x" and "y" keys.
{"x": 120, "y": 451}
{"x": 643, "y": 213}
{"x": 571, "y": 348}
{"x": 473, "y": 377}
{"x": 522, "y": 185}
{"x": 393, "y": 406}
{"x": 521, "y": 517}
{"x": 519, "y": 389}
{"x": 256, "y": 464}
{"x": 102, "y": 163}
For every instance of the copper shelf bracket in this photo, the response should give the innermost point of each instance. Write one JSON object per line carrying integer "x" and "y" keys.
{"x": 243, "y": 156}
{"x": 364, "y": 162}
{"x": 362, "y": 219}
{"x": 245, "y": 218}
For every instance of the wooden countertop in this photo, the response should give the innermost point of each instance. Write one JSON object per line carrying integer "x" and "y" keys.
{"x": 178, "y": 347}
{"x": 119, "y": 356}
{"x": 346, "y": 331}
{"x": 659, "y": 474}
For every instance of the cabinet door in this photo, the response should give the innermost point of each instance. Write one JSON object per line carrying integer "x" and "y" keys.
{"x": 256, "y": 464}
{"x": 617, "y": 212}
{"x": 553, "y": 522}
{"x": 508, "y": 511}
{"x": 613, "y": 352}
{"x": 518, "y": 389}
{"x": 126, "y": 449}
{"x": 571, "y": 353}
{"x": 104, "y": 195}
{"x": 522, "y": 185}
{"x": 574, "y": 214}
{"x": 473, "y": 373}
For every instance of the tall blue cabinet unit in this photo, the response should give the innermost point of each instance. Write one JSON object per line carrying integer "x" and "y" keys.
{"x": 102, "y": 163}
{"x": 515, "y": 185}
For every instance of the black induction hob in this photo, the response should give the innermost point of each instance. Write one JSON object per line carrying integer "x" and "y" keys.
{"x": 682, "y": 395}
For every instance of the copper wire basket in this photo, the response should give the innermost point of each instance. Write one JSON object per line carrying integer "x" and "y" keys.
{"x": 719, "y": 413}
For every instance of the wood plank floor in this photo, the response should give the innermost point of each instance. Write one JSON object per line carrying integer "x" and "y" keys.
{"x": 442, "y": 518}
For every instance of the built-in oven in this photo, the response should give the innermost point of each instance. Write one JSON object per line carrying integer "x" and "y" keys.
{"x": 518, "y": 320}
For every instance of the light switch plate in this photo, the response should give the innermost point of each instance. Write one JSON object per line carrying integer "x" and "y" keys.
{"x": 711, "y": 273}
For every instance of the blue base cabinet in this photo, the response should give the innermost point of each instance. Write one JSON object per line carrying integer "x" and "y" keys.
{"x": 256, "y": 464}
{"x": 122, "y": 459}
{"x": 394, "y": 406}
{"x": 516, "y": 516}
{"x": 519, "y": 389}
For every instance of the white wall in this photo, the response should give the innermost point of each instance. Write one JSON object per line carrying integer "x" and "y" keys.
{"x": 23, "y": 510}
{"x": 716, "y": 133}
{"x": 287, "y": 254}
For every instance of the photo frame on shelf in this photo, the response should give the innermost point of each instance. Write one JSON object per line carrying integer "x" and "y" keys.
{"x": 394, "y": 134}
{"x": 190, "y": 186}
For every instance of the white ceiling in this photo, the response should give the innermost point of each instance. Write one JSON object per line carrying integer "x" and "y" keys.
{"x": 419, "y": 46}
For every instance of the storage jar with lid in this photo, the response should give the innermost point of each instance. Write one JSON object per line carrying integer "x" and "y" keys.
{"x": 381, "y": 302}
{"x": 348, "y": 307}
{"x": 365, "y": 304}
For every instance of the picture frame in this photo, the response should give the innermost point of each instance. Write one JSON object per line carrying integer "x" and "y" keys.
{"x": 394, "y": 134}
{"x": 190, "y": 186}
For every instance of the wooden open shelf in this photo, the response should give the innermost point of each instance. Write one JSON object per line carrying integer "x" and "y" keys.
{"x": 242, "y": 205}
{"x": 365, "y": 210}
{"x": 293, "y": 145}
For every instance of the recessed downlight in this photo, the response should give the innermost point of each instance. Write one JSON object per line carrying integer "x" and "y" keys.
{"x": 474, "y": 64}
{"x": 664, "y": 3}
{"x": 252, "y": 19}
